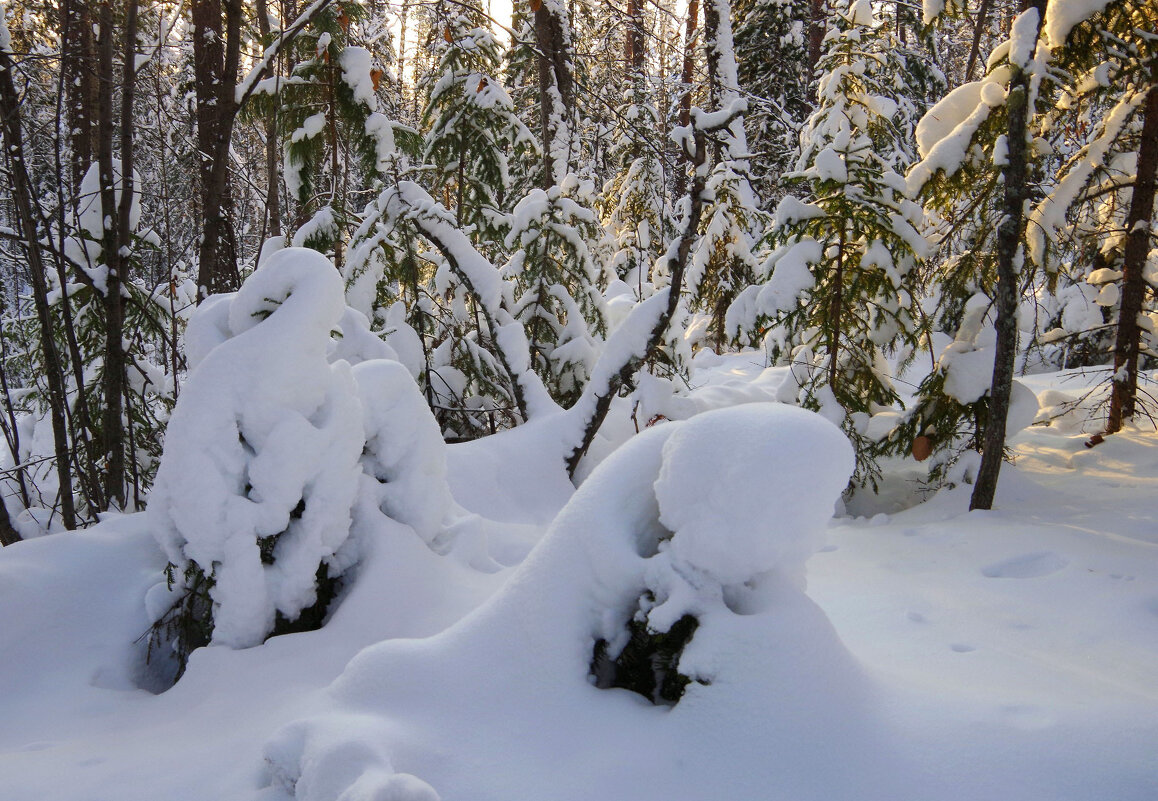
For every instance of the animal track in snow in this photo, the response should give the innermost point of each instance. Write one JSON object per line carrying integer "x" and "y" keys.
{"x": 1030, "y": 565}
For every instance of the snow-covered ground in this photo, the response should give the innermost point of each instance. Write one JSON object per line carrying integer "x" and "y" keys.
{"x": 924, "y": 653}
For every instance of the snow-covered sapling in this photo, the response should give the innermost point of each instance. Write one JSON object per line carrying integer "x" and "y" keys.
{"x": 742, "y": 496}
{"x": 261, "y": 465}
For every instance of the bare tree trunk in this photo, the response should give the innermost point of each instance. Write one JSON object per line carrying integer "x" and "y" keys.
{"x": 30, "y": 218}
{"x": 216, "y": 54}
{"x": 272, "y": 178}
{"x": 679, "y": 185}
{"x": 817, "y": 25}
{"x": 78, "y": 85}
{"x": 634, "y": 49}
{"x": 1139, "y": 224}
{"x": 8, "y": 532}
{"x": 78, "y": 69}
{"x": 978, "y": 30}
{"x": 1010, "y": 236}
{"x": 117, "y": 242}
{"x": 835, "y": 310}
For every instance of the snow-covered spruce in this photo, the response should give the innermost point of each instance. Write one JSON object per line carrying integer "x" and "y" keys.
{"x": 839, "y": 290}
{"x": 265, "y": 457}
{"x": 709, "y": 520}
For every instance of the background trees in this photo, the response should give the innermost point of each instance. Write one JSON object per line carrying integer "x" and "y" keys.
{"x": 501, "y": 200}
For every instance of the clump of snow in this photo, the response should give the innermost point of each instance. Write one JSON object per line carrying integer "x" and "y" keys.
{"x": 775, "y": 472}
{"x": 264, "y": 446}
{"x": 93, "y": 219}
{"x": 404, "y": 453}
{"x": 1023, "y": 37}
{"x": 1062, "y": 16}
{"x": 356, "y": 64}
{"x": 946, "y": 131}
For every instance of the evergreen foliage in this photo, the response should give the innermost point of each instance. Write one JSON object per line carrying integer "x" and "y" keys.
{"x": 841, "y": 288}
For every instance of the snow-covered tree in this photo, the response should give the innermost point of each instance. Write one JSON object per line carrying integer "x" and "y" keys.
{"x": 841, "y": 287}
{"x": 976, "y": 175}
{"x": 723, "y": 263}
{"x": 774, "y": 71}
{"x": 1106, "y": 124}
{"x": 278, "y": 452}
{"x": 333, "y": 128}
{"x": 558, "y": 281}
{"x": 471, "y": 130}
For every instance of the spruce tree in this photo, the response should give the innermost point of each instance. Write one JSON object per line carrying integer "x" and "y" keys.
{"x": 842, "y": 285}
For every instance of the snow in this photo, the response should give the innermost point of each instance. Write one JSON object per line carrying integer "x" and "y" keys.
{"x": 946, "y": 131}
{"x": 264, "y": 423}
{"x": 311, "y": 126}
{"x": 775, "y": 472}
{"x": 356, "y": 63}
{"x": 1062, "y": 16}
{"x": 927, "y": 653}
{"x": 1023, "y": 37}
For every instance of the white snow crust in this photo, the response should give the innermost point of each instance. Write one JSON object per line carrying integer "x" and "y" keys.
{"x": 938, "y": 653}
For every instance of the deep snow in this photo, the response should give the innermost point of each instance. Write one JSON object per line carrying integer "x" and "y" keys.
{"x": 935, "y": 654}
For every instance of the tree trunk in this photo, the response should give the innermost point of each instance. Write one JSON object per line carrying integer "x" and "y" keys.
{"x": 835, "y": 310}
{"x": 680, "y": 182}
{"x": 8, "y": 532}
{"x": 817, "y": 25}
{"x": 634, "y": 49}
{"x": 30, "y": 219}
{"x": 117, "y": 241}
{"x": 216, "y": 54}
{"x": 272, "y": 178}
{"x": 78, "y": 67}
{"x": 978, "y": 30}
{"x": 1010, "y": 236}
{"x": 1124, "y": 389}
{"x": 556, "y": 89}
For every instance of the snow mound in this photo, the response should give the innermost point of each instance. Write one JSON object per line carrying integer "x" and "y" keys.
{"x": 274, "y": 440}
{"x": 776, "y": 471}
{"x": 773, "y": 693}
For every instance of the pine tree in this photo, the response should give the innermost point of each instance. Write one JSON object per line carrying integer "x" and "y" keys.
{"x": 1112, "y": 60}
{"x": 333, "y": 128}
{"x": 842, "y": 288}
{"x": 472, "y": 132}
{"x": 774, "y": 71}
{"x": 557, "y": 284}
{"x": 976, "y": 174}
{"x": 723, "y": 262}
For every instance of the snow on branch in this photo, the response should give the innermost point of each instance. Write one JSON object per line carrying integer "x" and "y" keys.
{"x": 409, "y": 201}
{"x": 252, "y": 78}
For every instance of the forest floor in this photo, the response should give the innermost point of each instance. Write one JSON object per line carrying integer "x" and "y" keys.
{"x": 938, "y": 654}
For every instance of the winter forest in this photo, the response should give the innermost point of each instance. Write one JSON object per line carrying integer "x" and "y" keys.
{"x": 580, "y": 399}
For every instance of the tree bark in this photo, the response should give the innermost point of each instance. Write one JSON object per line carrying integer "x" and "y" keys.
{"x": 272, "y": 177}
{"x": 79, "y": 72}
{"x": 1124, "y": 388}
{"x": 8, "y": 532}
{"x": 556, "y": 88}
{"x": 117, "y": 241}
{"x": 978, "y": 30}
{"x": 817, "y": 24}
{"x": 680, "y": 181}
{"x": 634, "y": 49}
{"x": 1010, "y": 237}
{"x": 216, "y": 55}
